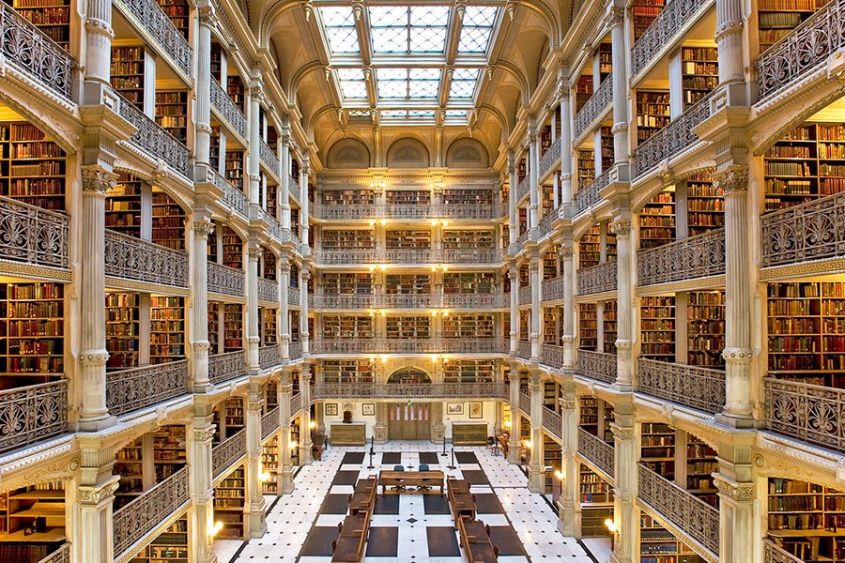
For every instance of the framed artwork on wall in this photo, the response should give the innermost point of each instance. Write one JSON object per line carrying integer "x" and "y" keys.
{"x": 368, "y": 409}
{"x": 454, "y": 409}
{"x": 476, "y": 410}
{"x": 331, "y": 409}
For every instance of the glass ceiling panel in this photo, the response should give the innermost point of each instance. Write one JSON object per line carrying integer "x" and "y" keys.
{"x": 339, "y": 24}
{"x": 477, "y": 29}
{"x": 464, "y": 81}
{"x": 408, "y": 83}
{"x": 408, "y": 29}
{"x": 352, "y": 83}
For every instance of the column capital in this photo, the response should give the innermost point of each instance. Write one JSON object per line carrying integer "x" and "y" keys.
{"x": 203, "y": 227}
{"x": 208, "y": 16}
{"x": 732, "y": 179}
{"x": 94, "y": 495}
{"x": 97, "y": 181}
{"x": 621, "y": 227}
{"x": 614, "y": 16}
{"x": 737, "y": 492}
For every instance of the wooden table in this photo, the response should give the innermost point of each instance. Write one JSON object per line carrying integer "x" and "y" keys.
{"x": 457, "y": 486}
{"x": 404, "y": 479}
{"x": 364, "y": 497}
{"x": 349, "y": 545}
{"x": 462, "y": 504}
{"x": 477, "y": 545}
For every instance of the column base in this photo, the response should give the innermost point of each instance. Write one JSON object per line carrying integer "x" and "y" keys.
{"x": 536, "y": 480}
{"x": 286, "y": 483}
{"x": 513, "y": 454}
{"x": 735, "y": 421}
{"x": 257, "y": 520}
{"x": 569, "y": 519}
{"x": 96, "y": 424}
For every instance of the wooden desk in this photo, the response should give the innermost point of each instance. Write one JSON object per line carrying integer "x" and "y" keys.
{"x": 477, "y": 545}
{"x": 349, "y": 545}
{"x": 457, "y": 486}
{"x": 462, "y": 505}
{"x": 364, "y": 498}
{"x": 418, "y": 479}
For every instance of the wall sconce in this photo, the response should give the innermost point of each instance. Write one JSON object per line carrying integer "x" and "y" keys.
{"x": 559, "y": 475}
{"x": 382, "y": 267}
{"x": 312, "y": 425}
{"x": 265, "y": 476}
{"x": 610, "y": 525}
{"x": 508, "y": 424}
{"x": 527, "y": 444}
{"x": 216, "y": 528}
{"x": 293, "y": 444}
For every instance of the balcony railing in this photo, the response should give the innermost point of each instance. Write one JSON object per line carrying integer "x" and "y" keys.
{"x": 141, "y": 516}
{"x": 293, "y": 188}
{"x": 595, "y": 108}
{"x": 549, "y": 157}
{"x": 805, "y": 50}
{"x": 30, "y": 234}
{"x": 552, "y": 289}
{"x": 687, "y": 259}
{"x": 268, "y": 290}
{"x": 26, "y": 47}
{"x": 295, "y": 350}
{"x": 154, "y": 140}
{"x": 598, "y": 279}
{"x": 524, "y": 295}
{"x": 469, "y": 255}
{"x": 414, "y": 301}
{"x": 811, "y": 413}
{"x": 522, "y": 187}
{"x": 597, "y": 365}
{"x": 775, "y": 554}
{"x": 545, "y": 226}
{"x": 689, "y": 513}
{"x": 61, "y": 555}
{"x": 663, "y": 30}
{"x": 268, "y": 156}
{"x": 523, "y": 349}
{"x": 132, "y": 389}
{"x": 474, "y": 300}
{"x": 672, "y": 140}
{"x": 523, "y": 237}
{"x": 408, "y": 211}
{"x": 227, "y": 366}
{"x": 225, "y": 280}
{"x": 811, "y": 231}
{"x": 409, "y": 391}
{"x": 31, "y": 414}
{"x": 597, "y": 451}
{"x": 294, "y": 296}
{"x": 131, "y": 258}
{"x": 268, "y": 356}
{"x": 149, "y": 15}
{"x": 693, "y": 386}
{"x": 269, "y": 423}
{"x": 408, "y": 345}
{"x": 227, "y": 109}
{"x": 409, "y": 255}
{"x": 232, "y": 196}
{"x": 343, "y": 301}
{"x": 227, "y": 452}
{"x": 552, "y": 423}
{"x": 589, "y": 195}
{"x": 552, "y": 355}
{"x": 295, "y": 404}
{"x": 525, "y": 403}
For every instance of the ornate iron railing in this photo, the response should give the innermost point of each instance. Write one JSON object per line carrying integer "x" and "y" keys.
{"x": 269, "y": 423}
{"x": 552, "y": 355}
{"x": 441, "y": 211}
{"x": 150, "y": 16}
{"x": 552, "y": 289}
{"x": 227, "y": 452}
{"x": 227, "y": 109}
{"x": 153, "y": 139}
{"x": 293, "y": 188}
{"x": 225, "y": 280}
{"x": 552, "y": 422}
{"x": 811, "y": 231}
{"x": 598, "y": 279}
{"x": 549, "y": 157}
{"x": 295, "y": 404}
{"x": 132, "y": 389}
{"x": 525, "y": 403}
{"x": 411, "y": 301}
{"x": 597, "y": 365}
{"x": 131, "y": 258}
{"x": 295, "y": 350}
{"x": 523, "y": 349}
{"x": 672, "y": 140}
{"x": 663, "y": 30}
{"x": 693, "y": 386}
{"x": 232, "y": 196}
{"x": 409, "y": 390}
{"x": 805, "y": 50}
{"x": 524, "y": 295}
{"x": 268, "y": 156}
{"x": 227, "y": 366}
{"x": 598, "y": 104}
{"x": 61, "y": 555}
{"x": 773, "y": 553}
{"x": 468, "y": 255}
{"x": 474, "y": 300}
{"x": 294, "y": 296}
{"x": 523, "y": 237}
{"x": 597, "y": 451}
{"x": 589, "y": 195}
{"x": 811, "y": 413}
{"x": 545, "y": 226}
{"x": 687, "y": 259}
{"x": 689, "y": 513}
{"x": 408, "y": 255}
{"x": 268, "y": 290}
{"x": 26, "y": 47}
{"x": 31, "y": 414}
{"x": 141, "y": 516}
{"x": 32, "y": 235}
{"x": 408, "y": 345}
{"x": 268, "y": 356}
{"x": 342, "y": 301}
{"x": 522, "y": 187}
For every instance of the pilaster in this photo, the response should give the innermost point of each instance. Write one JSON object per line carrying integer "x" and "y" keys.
{"x": 284, "y": 308}
{"x": 200, "y": 433}
{"x": 254, "y": 491}
{"x": 569, "y": 514}
{"x": 534, "y": 273}
{"x": 516, "y": 418}
{"x": 513, "y": 276}
{"x": 285, "y": 474}
{"x": 207, "y": 20}
{"x": 304, "y": 276}
{"x": 95, "y": 486}
{"x": 568, "y": 267}
{"x": 285, "y": 141}
{"x": 254, "y": 254}
{"x": 565, "y": 148}
{"x": 202, "y": 228}
{"x": 533, "y": 178}
{"x": 625, "y": 512}
{"x": 735, "y": 482}
{"x": 619, "y": 55}
{"x": 513, "y": 220}
{"x": 536, "y": 473}
{"x": 621, "y": 227}
{"x": 305, "y": 428}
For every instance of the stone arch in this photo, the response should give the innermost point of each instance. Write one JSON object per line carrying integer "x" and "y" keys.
{"x": 409, "y": 374}
{"x": 348, "y": 153}
{"x": 466, "y": 153}
{"x": 408, "y": 153}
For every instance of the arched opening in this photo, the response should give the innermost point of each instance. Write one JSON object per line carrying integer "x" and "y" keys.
{"x": 409, "y": 375}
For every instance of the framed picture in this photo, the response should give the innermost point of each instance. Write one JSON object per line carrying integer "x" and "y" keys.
{"x": 476, "y": 410}
{"x": 368, "y": 409}
{"x": 454, "y": 409}
{"x": 331, "y": 409}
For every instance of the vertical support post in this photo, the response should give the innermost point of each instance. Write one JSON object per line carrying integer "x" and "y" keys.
{"x": 200, "y": 346}
{"x": 253, "y": 342}
{"x": 569, "y": 521}
{"x": 534, "y": 271}
{"x": 200, "y": 434}
{"x": 568, "y": 338}
{"x": 536, "y": 467}
{"x": 513, "y": 275}
{"x": 254, "y": 493}
{"x": 625, "y": 512}
{"x": 621, "y": 227}
{"x": 94, "y": 490}
{"x": 516, "y": 418}
{"x": 285, "y": 474}
{"x": 305, "y": 392}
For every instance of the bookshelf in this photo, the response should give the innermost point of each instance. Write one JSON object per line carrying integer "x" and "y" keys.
{"x": 522, "y": 219}
{"x": 469, "y": 371}
{"x": 127, "y": 73}
{"x": 347, "y": 327}
{"x": 583, "y": 91}
{"x": 235, "y": 89}
{"x": 551, "y": 326}
{"x": 699, "y": 73}
{"x": 234, "y": 169}
{"x": 658, "y": 448}
{"x": 407, "y": 197}
{"x": 596, "y": 503}
{"x": 167, "y": 329}
{"x": 609, "y": 320}
{"x": 229, "y": 503}
{"x": 268, "y": 271}
{"x": 407, "y": 284}
{"x": 653, "y": 113}
{"x": 807, "y": 519}
{"x": 551, "y": 265}
{"x": 122, "y": 330}
{"x": 295, "y": 441}
{"x": 606, "y": 430}
{"x": 233, "y": 249}
{"x": 586, "y": 168}
{"x": 657, "y": 328}
{"x": 129, "y": 464}
{"x": 605, "y": 54}
{"x": 347, "y": 238}
{"x": 233, "y": 417}
{"x": 233, "y": 329}
{"x": 214, "y": 148}
{"x": 589, "y": 415}
{"x": 408, "y": 239}
{"x": 589, "y": 247}
{"x": 706, "y": 328}
{"x": 123, "y": 206}
{"x": 658, "y": 545}
{"x": 32, "y": 332}
{"x": 52, "y": 17}
{"x": 587, "y": 326}
{"x": 776, "y": 18}
{"x": 657, "y": 220}
{"x": 521, "y": 170}
{"x": 467, "y": 197}
{"x": 347, "y": 283}
{"x": 608, "y": 156}
{"x": 348, "y": 371}
{"x": 32, "y": 168}
{"x": 469, "y": 326}
{"x": 213, "y": 327}
{"x": 171, "y": 113}
{"x": 178, "y": 12}
{"x": 524, "y": 318}
{"x": 168, "y": 221}
{"x": 469, "y": 282}
{"x": 270, "y": 464}
{"x": 552, "y": 457}
{"x": 466, "y": 239}
{"x": 705, "y": 205}
{"x": 171, "y": 546}
{"x": 644, "y": 12}
{"x": 348, "y": 197}
{"x": 169, "y": 451}
{"x": 32, "y": 522}
{"x": 408, "y": 327}
{"x": 269, "y": 326}
{"x": 701, "y": 464}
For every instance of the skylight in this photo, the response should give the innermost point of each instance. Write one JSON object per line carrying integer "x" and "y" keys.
{"x": 409, "y": 29}
{"x": 339, "y": 23}
{"x": 477, "y": 29}
{"x": 352, "y": 83}
{"x": 408, "y": 83}
{"x": 464, "y": 81}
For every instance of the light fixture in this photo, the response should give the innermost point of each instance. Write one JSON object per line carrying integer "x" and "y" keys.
{"x": 610, "y": 525}
{"x": 559, "y": 475}
{"x": 293, "y": 444}
{"x": 507, "y": 424}
{"x": 216, "y": 528}
{"x": 384, "y": 359}
{"x": 312, "y": 425}
{"x": 265, "y": 476}
{"x": 527, "y": 444}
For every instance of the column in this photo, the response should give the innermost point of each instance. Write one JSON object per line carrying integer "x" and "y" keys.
{"x": 438, "y": 429}
{"x": 536, "y": 473}
{"x": 94, "y": 490}
{"x": 254, "y": 490}
{"x": 97, "y": 64}
{"x": 199, "y": 299}
{"x": 569, "y": 521}
{"x": 254, "y": 253}
{"x": 513, "y": 275}
{"x": 254, "y": 160}
{"x": 207, "y": 20}
{"x": 304, "y": 276}
{"x": 735, "y": 482}
{"x": 568, "y": 309}
{"x": 305, "y": 427}
{"x": 534, "y": 177}
{"x": 304, "y": 172}
{"x": 625, "y": 513}
{"x": 729, "y": 24}
{"x": 513, "y": 393}
{"x": 284, "y": 308}
{"x": 621, "y": 227}
{"x": 565, "y": 147}
{"x": 200, "y": 434}
{"x": 513, "y": 217}
{"x": 284, "y": 475}
{"x": 619, "y": 55}
{"x": 534, "y": 272}
{"x": 285, "y": 141}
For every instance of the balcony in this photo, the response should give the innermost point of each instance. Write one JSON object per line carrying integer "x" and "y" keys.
{"x": 552, "y": 289}
{"x": 691, "y": 515}
{"x": 525, "y": 403}
{"x": 597, "y": 451}
{"x": 295, "y": 404}
{"x": 469, "y": 256}
{"x": 409, "y": 256}
{"x": 130, "y": 258}
{"x": 691, "y": 258}
{"x": 268, "y": 356}
{"x": 343, "y": 301}
{"x": 294, "y": 296}
{"x": 225, "y": 280}
{"x": 814, "y": 230}
{"x": 524, "y": 295}
{"x": 550, "y": 157}
{"x": 674, "y": 139}
{"x": 147, "y": 16}
{"x": 408, "y": 346}
{"x": 268, "y": 290}
{"x": 597, "y": 365}
{"x": 600, "y": 278}
{"x": 227, "y": 452}
{"x": 151, "y": 139}
{"x": 594, "y": 110}
{"x": 31, "y": 414}
{"x": 475, "y": 301}
{"x": 545, "y": 226}
{"x": 227, "y": 110}
{"x": 268, "y": 158}
{"x": 408, "y": 211}
{"x": 136, "y": 388}
{"x": 134, "y": 521}
{"x": 227, "y": 366}
{"x": 523, "y": 237}
{"x": 522, "y": 188}
{"x": 590, "y": 195}
{"x": 269, "y": 423}
{"x": 415, "y": 301}
{"x": 810, "y": 413}
{"x": 31, "y": 235}
{"x": 523, "y": 350}
{"x": 805, "y": 51}
{"x": 552, "y": 423}
{"x": 27, "y": 49}
{"x": 233, "y": 198}
{"x": 295, "y": 350}
{"x": 775, "y": 554}
{"x": 693, "y": 386}
{"x": 552, "y": 355}
{"x": 673, "y": 20}
{"x": 61, "y": 555}
{"x": 328, "y": 391}
{"x": 293, "y": 188}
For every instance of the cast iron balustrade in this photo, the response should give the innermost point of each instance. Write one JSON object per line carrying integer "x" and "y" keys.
{"x": 269, "y": 423}
{"x": 293, "y": 188}
{"x": 295, "y": 404}
{"x": 522, "y": 187}
{"x": 804, "y": 51}
{"x": 545, "y": 226}
{"x": 552, "y": 289}
{"x": 227, "y": 452}
{"x": 293, "y": 296}
{"x": 675, "y": 16}
{"x": 295, "y": 350}
{"x": 227, "y": 109}
{"x": 342, "y": 301}
{"x": 552, "y": 423}
{"x": 27, "y": 48}
{"x": 130, "y": 258}
{"x": 141, "y": 516}
{"x": 268, "y": 290}
{"x": 598, "y": 104}
{"x": 474, "y": 300}
{"x": 811, "y": 413}
{"x": 410, "y": 301}
{"x": 597, "y": 365}
{"x": 32, "y": 235}
{"x": 523, "y": 237}
{"x": 154, "y": 140}
{"x": 409, "y": 391}
{"x": 691, "y": 258}
{"x": 775, "y": 554}
{"x": 268, "y": 356}
{"x": 268, "y": 156}
{"x": 227, "y": 366}
{"x": 407, "y": 345}
{"x": 61, "y": 555}
{"x": 232, "y": 196}
{"x": 468, "y": 256}
{"x": 598, "y": 279}
{"x": 693, "y": 386}
{"x": 225, "y": 280}
{"x": 135, "y": 388}
{"x": 525, "y": 403}
{"x": 695, "y": 517}
{"x": 407, "y": 211}
{"x": 524, "y": 295}
{"x": 599, "y": 452}
{"x": 552, "y": 355}
{"x": 674, "y": 139}
{"x": 148, "y": 15}
{"x": 811, "y": 231}
{"x": 32, "y": 413}
{"x": 588, "y": 196}
{"x": 549, "y": 157}
{"x": 523, "y": 349}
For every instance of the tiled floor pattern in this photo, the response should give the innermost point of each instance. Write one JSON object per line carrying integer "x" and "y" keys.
{"x": 409, "y": 527}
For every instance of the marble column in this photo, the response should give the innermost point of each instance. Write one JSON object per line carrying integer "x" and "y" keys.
{"x": 565, "y": 148}
{"x": 304, "y": 172}
{"x": 568, "y": 310}
{"x": 619, "y": 56}
{"x": 200, "y": 346}
{"x": 255, "y": 508}
{"x": 284, "y": 308}
{"x": 536, "y": 466}
{"x": 305, "y": 391}
{"x": 729, "y": 24}
{"x": 200, "y": 434}
{"x": 621, "y": 227}
{"x": 285, "y": 474}
{"x": 285, "y": 141}
{"x": 95, "y": 486}
{"x": 569, "y": 514}
{"x": 735, "y": 482}
{"x": 516, "y": 421}
{"x": 513, "y": 216}
{"x": 97, "y": 64}
{"x": 513, "y": 276}
{"x": 625, "y": 511}
{"x": 253, "y": 342}
{"x": 534, "y": 335}
{"x": 254, "y": 133}
{"x": 202, "y": 115}
{"x": 533, "y": 178}
{"x": 304, "y": 276}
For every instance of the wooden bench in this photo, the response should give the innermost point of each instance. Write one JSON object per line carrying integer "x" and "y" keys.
{"x": 476, "y": 542}
{"x": 349, "y": 545}
{"x": 401, "y": 480}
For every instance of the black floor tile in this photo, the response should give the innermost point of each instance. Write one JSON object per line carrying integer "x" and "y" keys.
{"x": 431, "y": 458}
{"x": 442, "y": 541}
{"x": 506, "y": 539}
{"x": 353, "y": 458}
{"x": 335, "y": 504}
{"x": 466, "y": 457}
{"x": 475, "y": 477}
{"x": 391, "y": 458}
{"x": 387, "y": 504}
{"x": 435, "y": 504}
{"x": 383, "y": 541}
{"x": 345, "y": 478}
{"x": 318, "y": 543}
{"x": 488, "y": 504}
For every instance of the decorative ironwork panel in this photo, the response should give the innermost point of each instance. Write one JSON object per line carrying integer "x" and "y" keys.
{"x": 597, "y": 365}
{"x": 597, "y": 451}
{"x": 269, "y": 423}
{"x": 688, "y": 259}
{"x": 225, "y": 280}
{"x": 131, "y": 258}
{"x": 662, "y": 31}
{"x": 408, "y": 255}
{"x": 691, "y": 514}
{"x": 523, "y": 349}
{"x": 141, "y": 516}
{"x": 32, "y": 235}
{"x": 552, "y": 422}
{"x": 295, "y": 350}
{"x": 268, "y": 356}
{"x": 552, "y": 289}
{"x": 268, "y": 157}
{"x": 293, "y": 188}
{"x": 524, "y": 295}
{"x": 152, "y": 139}
{"x": 228, "y": 109}
{"x": 552, "y": 355}
{"x": 522, "y": 187}
{"x": 589, "y": 195}
{"x": 268, "y": 290}
{"x": 132, "y": 389}
{"x": 525, "y": 403}
{"x": 61, "y": 555}
{"x": 31, "y": 414}
{"x": 295, "y": 404}
{"x": 598, "y": 279}
{"x": 598, "y": 104}
{"x": 523, "y": 238}
{"x": 474, "y": 300}
{"x": 293, "y": 296}
{"x": 811, "y": 231}
{"x": 443, "y": 211}
{"x": 469, "y": 256}
{"x": 232, "y": 196}
{"x": 225, "y": 367}
{"x": 149, "y": 15}
{"x": 410, "y": 390}
{"x": 342, "y": 301}
{"x": 545, "y": 225}
{"x": 413, "y": 345}
{"x": 696, "y": 387}
{"x": 227, "y": 452}
{"x": 774, "y": 554}
{"x": 407, "y": 301}
{"x": 348, "y": 256}
{"x": 811, "y": 413}
{"x": 549, "y": 157}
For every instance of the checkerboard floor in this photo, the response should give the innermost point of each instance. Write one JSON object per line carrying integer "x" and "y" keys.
{"x": 409, "y": 527}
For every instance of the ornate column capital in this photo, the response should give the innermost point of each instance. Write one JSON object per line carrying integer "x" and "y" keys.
{"x": 614, "y": 16}
{"x": 208, "y": 16}
{"x": 203, "y": 227}
{"x": 621, "y": 227}
{"x": 733, "y": 179}
{"x": 93, "y": 495}
{"x": 97, "y": 181}
{"x": 737, "y": 492}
